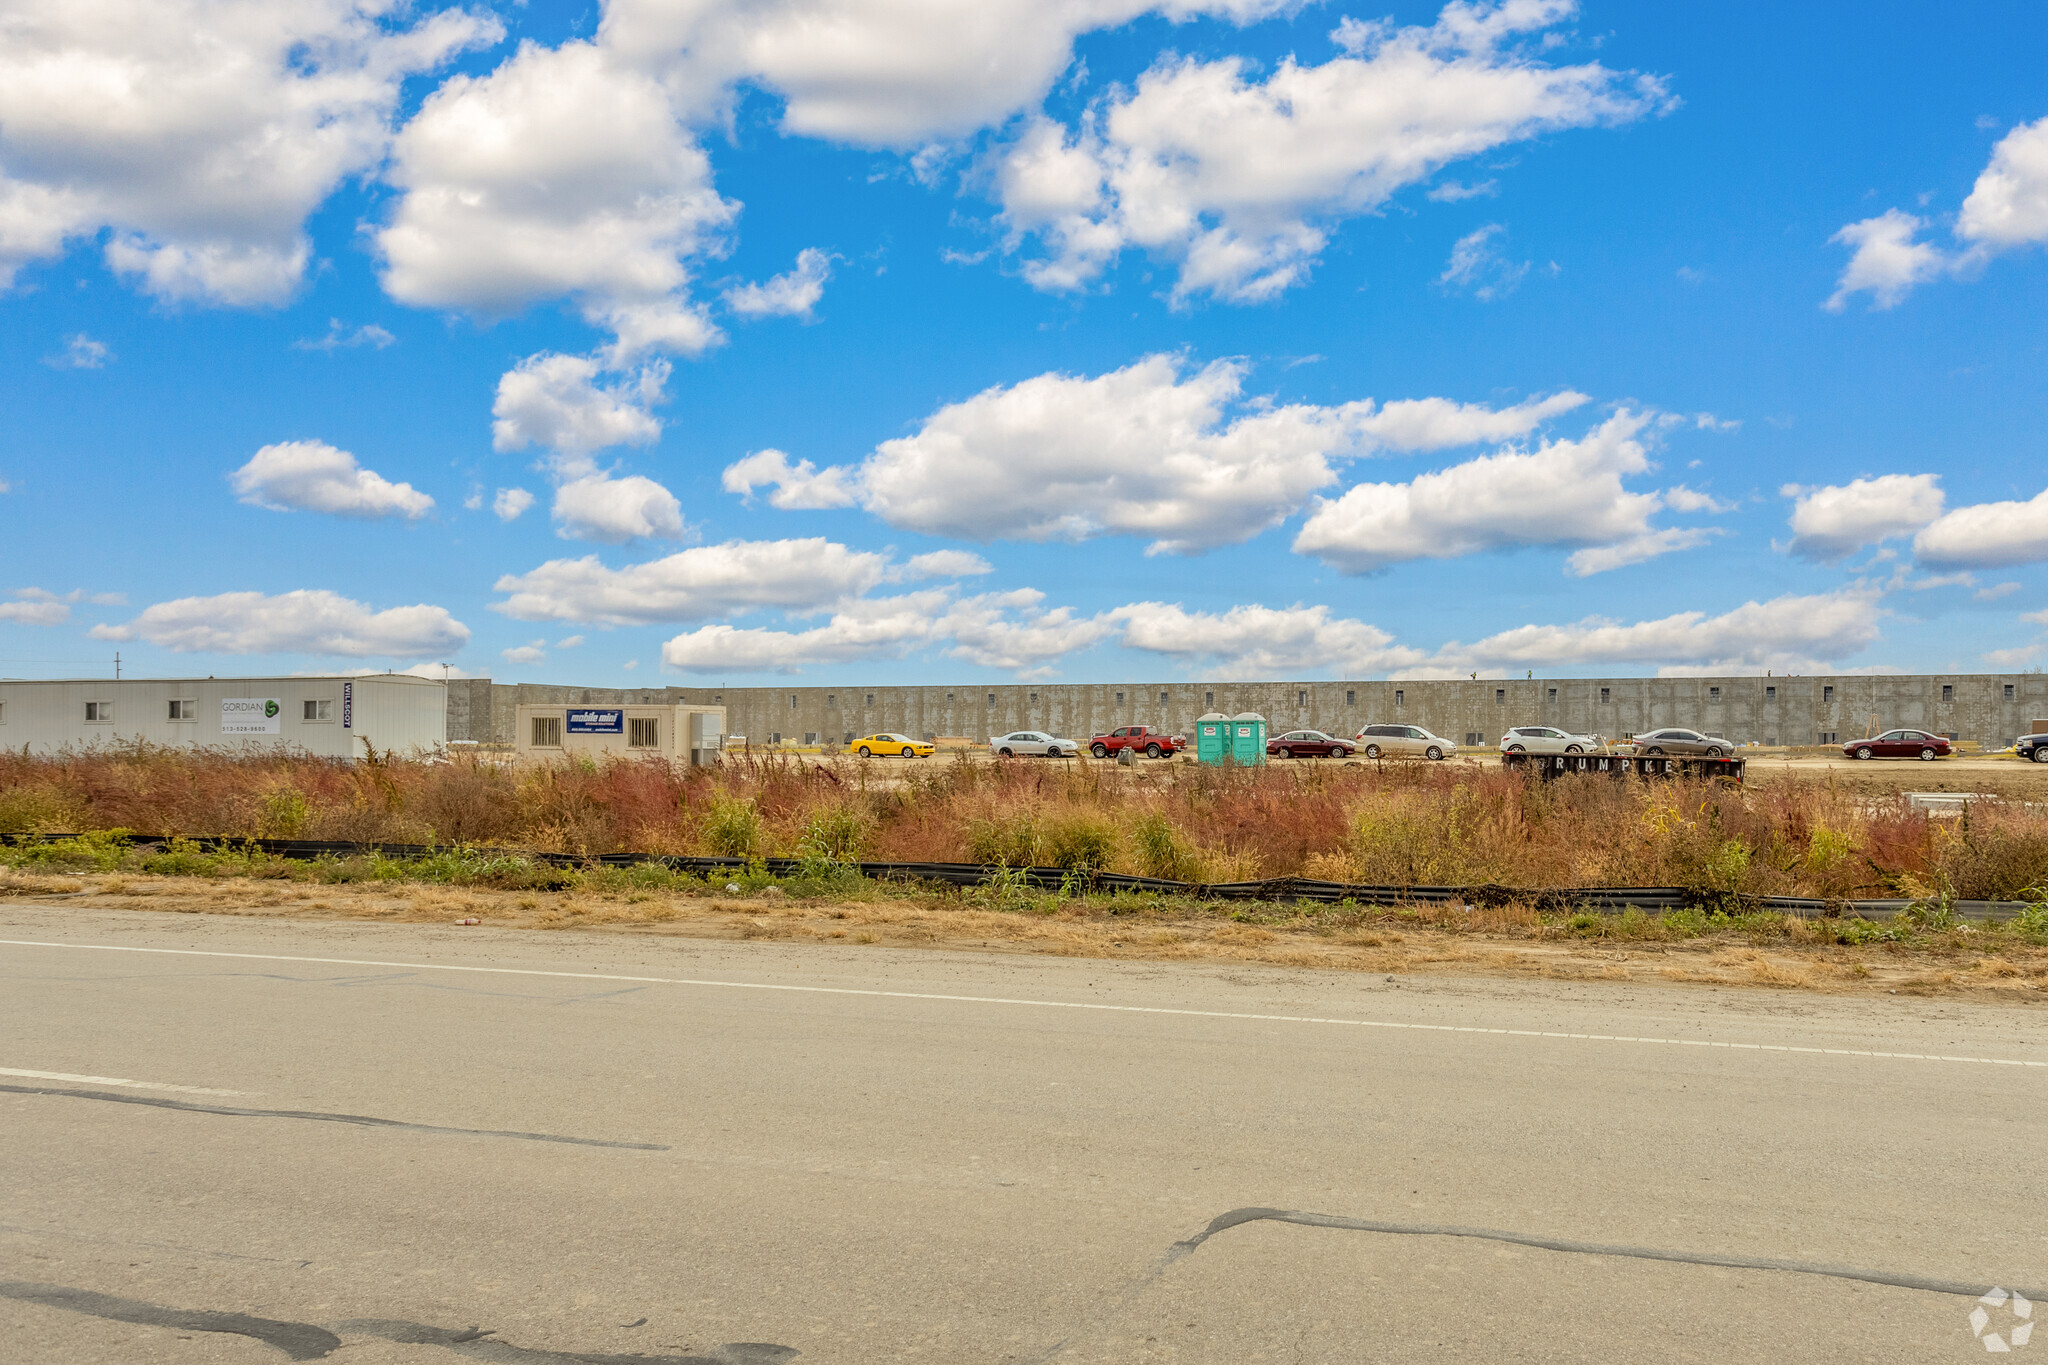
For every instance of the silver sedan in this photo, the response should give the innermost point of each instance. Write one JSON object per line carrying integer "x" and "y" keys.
{"x": 1032, "y": 742}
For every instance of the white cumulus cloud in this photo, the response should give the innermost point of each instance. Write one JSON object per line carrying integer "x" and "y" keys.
{"x": 530, "y": 653}
{"x": 307, "y": 621}
{"x": 1791, "y": 632}
{"x": 2008, "y": 206}
{"x": 793, "y": 294}
{"x": 797, "y": 485}
{"x": 312, "y": 476}
{"x": 558, "y": 402}
{"x": 1263, "y": 642}
{"x": 563, "y": 173}
{"x": 1888, "y": 260}
{"x": 36, "y": 607}
{"x": 612, "y": 510}
{"x": 697, "y": 584}
{"x": 1147, "y": 450}
{"x": 1832, "y": 522}
{"x": 510, "y": 503}
{"x": 1237, "y": 180}
{"x": 2007, "y": 209}
{"x": 946, "y": 564}
{"x": 895, "y": 73}
{"x": 199, "y": 133}
{"x": 1565, "y": 492}
{"x": 1986, "y": 535}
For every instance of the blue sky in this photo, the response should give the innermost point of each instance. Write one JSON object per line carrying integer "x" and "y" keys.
{"x": 902, "y": 340}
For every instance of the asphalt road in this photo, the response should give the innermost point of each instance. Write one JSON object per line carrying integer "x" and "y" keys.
{"x": 960, "y": 1158}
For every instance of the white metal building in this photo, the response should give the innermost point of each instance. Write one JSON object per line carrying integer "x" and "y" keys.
{"x": 649, "y": 730}
{"x": 332, "y": 717}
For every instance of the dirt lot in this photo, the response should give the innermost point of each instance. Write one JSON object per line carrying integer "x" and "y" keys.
{"x": 1510, "y": 942}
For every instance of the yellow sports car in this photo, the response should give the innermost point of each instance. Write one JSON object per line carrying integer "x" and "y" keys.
{"x": 903, "y": 746}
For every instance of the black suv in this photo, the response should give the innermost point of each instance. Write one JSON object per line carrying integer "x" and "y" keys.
{"x": 2032, "y": 746}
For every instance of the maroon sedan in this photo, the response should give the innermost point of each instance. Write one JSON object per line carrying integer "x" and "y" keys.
{"x": 1899, "y": 744}
{"x": 1308, "y": 744}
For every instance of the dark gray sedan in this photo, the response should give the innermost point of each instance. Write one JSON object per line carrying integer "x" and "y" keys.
{"x": 1683, "y": 743}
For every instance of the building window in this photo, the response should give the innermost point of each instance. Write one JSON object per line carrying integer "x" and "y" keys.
{"x": 831, "y": 702}
{"x": 792, "y": 701}
{"x": 1350, "y": 698}
{"x": 1301, "y": 699}
{"x": 1553, "y": 694}
{"x": 316, "y": 709}
{"x": 775, "y": 737}
{"x": 1603, "y": 694}
{"x": 1034, "y": 699}
{"x": 99, "y": 711}
{"x": 810, "y": 736}
{"x": 1162, "y": 699}
{"x": 849, "y": 738}
{"x": 1119, "y": 699}
{"x": 1713, "y": 694}
{"x": 184, "y": 708}
{"x": 1400, "y": 697}
{"x": 1500, "y": 696}
{"x": 643, "y": 732}
{"x": 991, "y": 699}
{"x": 1827, "y": 694}
{"x": 1827, "y": 737}
{"x": 871, "y": 700}
{"x": 2008, "y": 691}
{"x": 718, "y": 699}
{"x": 1770, "y": 694}
{"x": 1473, "y": 739}
{"x": 949, "y": 699}
{"x": 1948, "y": 692}
{"x": 547, "y": 732}
{"x": 1209, "y": 700}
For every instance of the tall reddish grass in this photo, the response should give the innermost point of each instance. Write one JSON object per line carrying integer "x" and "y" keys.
{"x": 1402, "y": 824}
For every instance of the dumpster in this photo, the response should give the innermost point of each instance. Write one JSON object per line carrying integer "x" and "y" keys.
{"x": 1248, "y": 738}
{"x": 1212, "y": 737}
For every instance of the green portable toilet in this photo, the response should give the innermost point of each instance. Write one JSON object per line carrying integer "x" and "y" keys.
{"x": 1247, "y": 738}
{"x": 1212, "y": 737}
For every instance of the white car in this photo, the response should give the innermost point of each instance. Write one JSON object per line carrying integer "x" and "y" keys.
{"x": 1543, "y": 739}
{"x": 1032, "y": 742}
{"x": 1402, "y": 741}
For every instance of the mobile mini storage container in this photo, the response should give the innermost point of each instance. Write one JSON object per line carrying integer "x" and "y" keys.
{"x": 332, "y": 717}
{"x": 647, "y": 730}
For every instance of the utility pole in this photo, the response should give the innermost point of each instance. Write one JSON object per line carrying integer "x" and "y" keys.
{"x": 117, "y": 665}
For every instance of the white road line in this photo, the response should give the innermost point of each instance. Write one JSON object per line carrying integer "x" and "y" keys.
{"x": 1039, "y": 1004}
{"x": 113, "y": 1080}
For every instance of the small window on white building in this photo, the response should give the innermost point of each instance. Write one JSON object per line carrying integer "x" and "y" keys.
{"x": 318, "y": 708}
{"x": 1162, "y": 699}
{"x": 99, "y": 711}
{"x": 1350, "y": 698}
{"x": 810, "y": 736}
{"x": 183, "y": 708}
{"x": 1713, "y": 694}
{"x": 3, "y": 713}
{"x": 1119, "y": 699}
{"x": 1400, "y": 697}
{"x": 643, "y": 732}
{"x": 547, "y": 732}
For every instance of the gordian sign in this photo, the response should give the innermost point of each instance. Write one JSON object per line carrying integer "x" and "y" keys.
{"x": 587, "y": 722}
{"x": 251, "y": 716}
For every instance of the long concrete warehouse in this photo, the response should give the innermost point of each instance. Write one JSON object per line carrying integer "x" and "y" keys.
{"x": 1991, "y": 709}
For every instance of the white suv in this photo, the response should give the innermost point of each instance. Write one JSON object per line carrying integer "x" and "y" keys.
{"x": 1542, "y": 739}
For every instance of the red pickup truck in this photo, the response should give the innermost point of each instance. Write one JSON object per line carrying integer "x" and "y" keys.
{"x": 1148, "y": 740}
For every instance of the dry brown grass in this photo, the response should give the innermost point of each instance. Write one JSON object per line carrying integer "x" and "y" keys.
{"x": 1391, "y": 824}
{"x": 1509, "y": 946}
